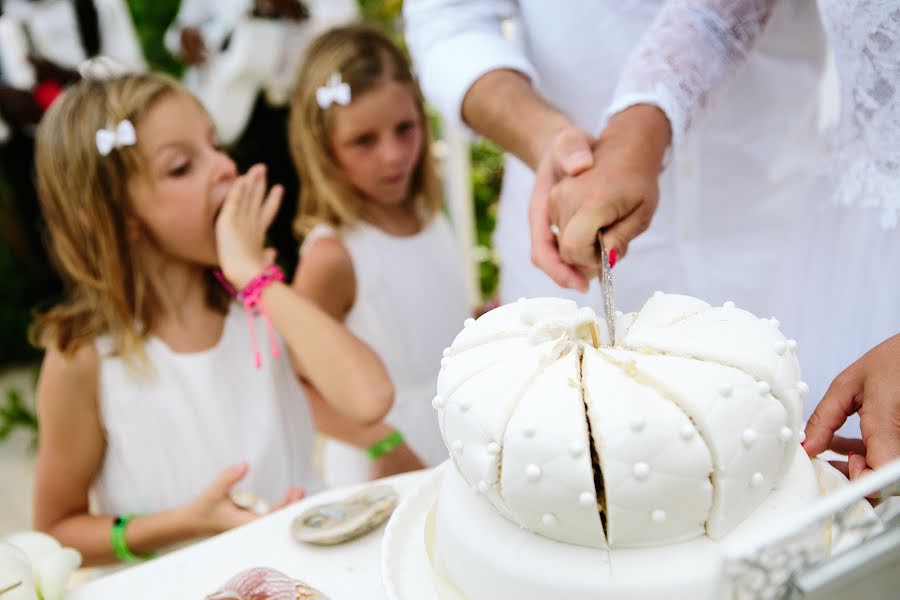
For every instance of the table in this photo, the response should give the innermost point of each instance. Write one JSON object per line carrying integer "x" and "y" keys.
{"x": 351, "y": 570}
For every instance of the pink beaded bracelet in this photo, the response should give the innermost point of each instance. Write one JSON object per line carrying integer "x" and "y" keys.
{"x": 251, "y": 297}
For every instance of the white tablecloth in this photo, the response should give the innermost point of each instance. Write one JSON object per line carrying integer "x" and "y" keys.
{"x": 351, "y": 570}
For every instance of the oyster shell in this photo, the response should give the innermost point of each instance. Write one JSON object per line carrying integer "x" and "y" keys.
{"x": 338, "y": 522}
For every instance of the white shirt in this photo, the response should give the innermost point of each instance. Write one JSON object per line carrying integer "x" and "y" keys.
{"x": 262, "y": 55}
{"x": 730, "y": 191}
{"x": 52, "y": 27}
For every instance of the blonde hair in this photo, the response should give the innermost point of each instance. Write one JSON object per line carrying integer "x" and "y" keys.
{"x": 365, "y": 58}
{"x": 85, "y": 203}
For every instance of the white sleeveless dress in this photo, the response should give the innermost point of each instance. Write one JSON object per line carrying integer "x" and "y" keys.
{"x": 169, "y": 436}
{"x": 410, "y": 304}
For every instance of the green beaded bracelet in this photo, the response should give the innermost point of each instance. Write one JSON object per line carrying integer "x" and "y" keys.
{"x": 119, "y": 545}
{"x": 385, "y": 445}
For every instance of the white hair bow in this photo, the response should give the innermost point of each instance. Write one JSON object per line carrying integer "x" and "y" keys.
{"x": 335, "y": 91}
{"x": 122, "y": 135}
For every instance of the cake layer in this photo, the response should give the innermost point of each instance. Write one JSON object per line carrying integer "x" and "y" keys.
{"x": 488, "y": 557}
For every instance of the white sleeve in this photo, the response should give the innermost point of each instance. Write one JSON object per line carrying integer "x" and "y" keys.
{"x": 454, "y": 42}
{"x": 690, "y": 50}
{"x": 215, "y": 21}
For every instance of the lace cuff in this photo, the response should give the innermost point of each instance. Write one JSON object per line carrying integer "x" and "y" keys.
{"x": 692, "y": 48}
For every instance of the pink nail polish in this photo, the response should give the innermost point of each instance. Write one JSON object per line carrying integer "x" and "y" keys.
{"x": 613, "y": 256}
{"x": 803, "y": 443}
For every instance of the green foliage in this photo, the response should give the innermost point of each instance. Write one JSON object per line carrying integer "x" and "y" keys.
{"x": 384, "y": 13}
{"x": 15, "y": 414}
{"x": 487, "y": 176}
{"x": 151, "y": 18}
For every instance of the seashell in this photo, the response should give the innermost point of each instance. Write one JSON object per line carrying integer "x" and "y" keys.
{"x": 247, "y": 500}
{"x": 347, "y": 519}
{"x": 263, "y": 583}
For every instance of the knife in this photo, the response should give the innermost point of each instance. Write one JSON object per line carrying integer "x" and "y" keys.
{"x": 606, "y": 286}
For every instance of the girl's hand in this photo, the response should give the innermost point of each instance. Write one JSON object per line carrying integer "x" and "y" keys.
{"x": 241, "y": 227}
{"x": 294, "y": 494}
{"x": 213, "y": 511}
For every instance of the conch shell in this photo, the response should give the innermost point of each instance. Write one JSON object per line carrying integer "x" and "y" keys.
{"x": 262, "y": 583}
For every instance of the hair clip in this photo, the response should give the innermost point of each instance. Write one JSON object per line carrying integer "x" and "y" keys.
{"x": 335, "y": 91}
{"x": 101, "y": 68}
{"x": 122, "y": 135}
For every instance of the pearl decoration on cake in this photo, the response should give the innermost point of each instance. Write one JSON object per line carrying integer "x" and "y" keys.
{"x": 687, "y": 433}
{"x": 469, "y": 322}
{"x": 457, "y": 446}
{"x": 802, "y": 388}
{"x": 763, "y": 387}
{"x": 586, "y": 499}
{"x": 757, "y": 480}
{"x": 658, "y": 516}
{"x": 792, "y": 345}
{"x": 728, "y": 305}
{"x": 529, "y": 431}
{"x": 802, "y": 436}
{"x": 493, "y": 448}
{"x": 641, "y": 470}
{"x": 779, "y": 347}
{"x": 748, "y": 437}
{"x": 725, "y": 390}
{"x": 638, "y": 423}
{"x": 576, "y": 448}
{"x": 532, "y": 473}
{"x": 774, "y": 322}
{"x": 549, "y": 519}
{"x": 438, "y": 402}
{"x": 785, "y": 434}
{"x": 483, "y": 486}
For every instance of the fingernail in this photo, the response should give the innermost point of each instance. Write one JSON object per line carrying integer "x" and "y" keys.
{"x": 578, "y": 156}
{"x": 803, "y": 443}
{"x": 613, "y": 257}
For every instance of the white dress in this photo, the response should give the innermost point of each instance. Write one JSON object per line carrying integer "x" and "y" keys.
{"x": 731, "y": 192}
{"x": 840, "y": 288}
{"x": 410, "y": 304}
{"x": 170, "y": 435}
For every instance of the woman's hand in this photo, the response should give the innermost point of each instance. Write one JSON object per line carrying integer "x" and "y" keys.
{"x": 868, "y": 387}
{"x": 241, "y": 227}
{"x": 617, "y": 192}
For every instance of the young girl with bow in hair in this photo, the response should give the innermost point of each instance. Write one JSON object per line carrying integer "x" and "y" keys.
{"x": 377, "y": 251}
{"x": 162, "y": 394}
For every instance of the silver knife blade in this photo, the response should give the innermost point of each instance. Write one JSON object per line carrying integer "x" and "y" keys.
{"x": 606, "y": 286}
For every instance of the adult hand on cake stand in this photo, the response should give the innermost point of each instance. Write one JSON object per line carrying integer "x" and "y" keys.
{"x": 868, "y": 387}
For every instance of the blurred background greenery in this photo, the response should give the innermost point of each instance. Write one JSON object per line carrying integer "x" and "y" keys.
{"x": 26, "y": 272}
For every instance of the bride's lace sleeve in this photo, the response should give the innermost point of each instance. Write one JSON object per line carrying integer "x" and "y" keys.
{"x": 692, "y": 47}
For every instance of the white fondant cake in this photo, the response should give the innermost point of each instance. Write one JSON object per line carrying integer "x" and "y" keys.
{"x": 644, "y": 453}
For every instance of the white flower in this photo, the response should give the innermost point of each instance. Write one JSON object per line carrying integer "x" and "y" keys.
{"x": 39, "y": 562}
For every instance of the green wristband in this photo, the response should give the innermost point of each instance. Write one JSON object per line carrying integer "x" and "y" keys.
{"x": 119, "y": 545}
{"x": 385, "y": 445}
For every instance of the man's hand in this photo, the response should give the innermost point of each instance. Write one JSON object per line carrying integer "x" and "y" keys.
{"x": 617, "y": 193}
{"x": 871, "y": 387}
{"x": 568, "y": 155}
{"x": 193, "y": 49}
